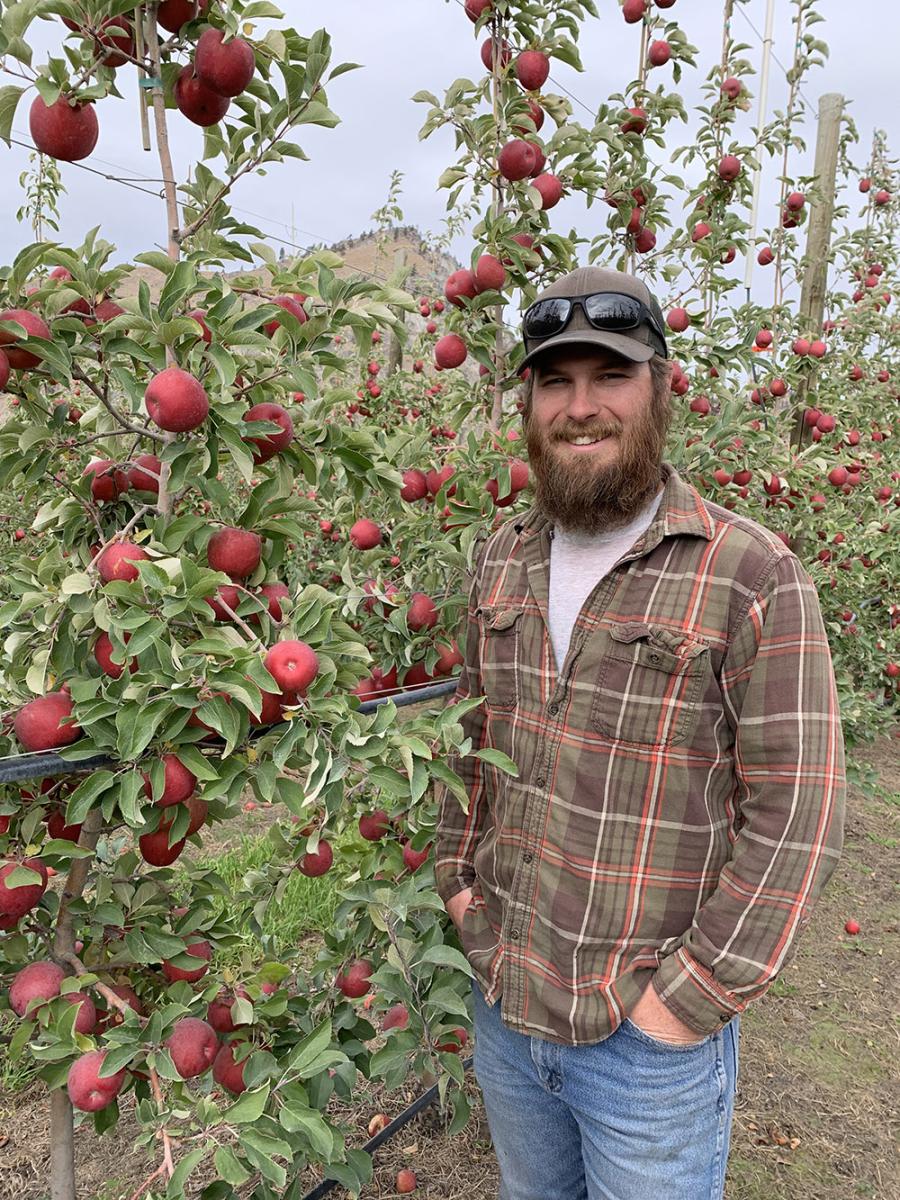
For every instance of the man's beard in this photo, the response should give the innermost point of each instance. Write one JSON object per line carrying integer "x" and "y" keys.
{"x": 579, "y": 492}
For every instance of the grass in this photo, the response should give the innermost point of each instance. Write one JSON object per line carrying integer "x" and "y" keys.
{"x": 306, "y": 906}
{"x": 14, "y": 1076}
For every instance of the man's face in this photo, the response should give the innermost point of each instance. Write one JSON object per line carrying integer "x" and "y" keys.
{"x": 585, "y": 392}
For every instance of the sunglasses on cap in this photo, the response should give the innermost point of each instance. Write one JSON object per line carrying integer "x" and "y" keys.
{"x": 603, "y": 310}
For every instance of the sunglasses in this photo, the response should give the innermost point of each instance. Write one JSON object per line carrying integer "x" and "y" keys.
{"x": 603, "y": 310}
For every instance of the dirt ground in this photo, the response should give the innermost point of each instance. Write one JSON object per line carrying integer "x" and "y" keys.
{"x": 817, "y": 1113}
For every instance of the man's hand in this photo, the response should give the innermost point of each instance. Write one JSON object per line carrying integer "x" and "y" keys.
{"x": 458, "y": 904}
{"x": 652, "y": 1016}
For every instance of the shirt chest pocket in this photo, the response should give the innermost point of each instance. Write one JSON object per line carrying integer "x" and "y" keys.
{"x": 650, "y": 685}
{"x": 500, "y": 635}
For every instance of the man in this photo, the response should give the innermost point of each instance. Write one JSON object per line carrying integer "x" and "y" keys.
{"x": 657, "y": 667}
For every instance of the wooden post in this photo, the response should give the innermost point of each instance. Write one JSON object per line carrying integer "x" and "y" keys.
{"x": 818, "y": 241}
{"x": 395, "y": 346}
{"x": 761, "y": 120}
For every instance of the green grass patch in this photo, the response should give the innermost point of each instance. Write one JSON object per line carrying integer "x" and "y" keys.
{"x": 306, "y": 906}
{"x": 14, "y": 1076}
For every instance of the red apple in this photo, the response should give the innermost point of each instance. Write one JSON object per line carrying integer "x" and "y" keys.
{"x": 226, "y": 1072}
{"x": 292, "y": 664}
{"x": 273, "y": 594}
{"x": 396, "y": 1017}
{"x": 532, "y": 69}
{"x": 172, "y": 14}
{"x": 33, "y": 325}
{"x": 103, "y": 653}
{"x": 421, "y": 613}
{"x": 199, "y": 103}
{"x": 193, "y": 1046}
{"x": 18, "y": 899}
{"x": 226, "y": 67}
{"x": 365, "y": 534}
{"x": 176, "y": 401}
{"x": 550, "y": 188}
{"x": 290, "y": 304}
{"x": 269, "y": 444}
{"x": 219, "y": 1013}
{"x": 461, "y": 283}
{"x": 659, "y": 53}
{"x": 63, "y": 130}
{"x": 40, "y": 980}
{"x": 374, "y": 826}
{"x": 490, "y": 274}
{"x": 108, "y": 482}
{"x": 117, "y": 561}
{"x": 517, "y": 159}
{"x": 316, "y": 863}
{"x": 236, "y": 552}
{"x": 414, "y": 485}
{"x": 155, "y": 848}
{"x": 200, "y": 949}
{"x": 179, "y": 783}
{"x": 88, "y": 1090}
{"x": 354, "y": 981}
{"x": 413, "y": 859}
{"x": 450, "y": 351}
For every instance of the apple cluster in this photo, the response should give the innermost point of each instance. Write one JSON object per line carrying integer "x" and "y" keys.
{"x": 221, "y": 69}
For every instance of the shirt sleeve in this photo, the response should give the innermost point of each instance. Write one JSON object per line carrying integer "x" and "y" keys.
{"x": 458, "y": 832}
{"x": 780, "y": 699}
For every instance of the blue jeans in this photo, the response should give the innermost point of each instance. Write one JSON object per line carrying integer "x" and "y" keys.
{"x": 628, "y": 1118}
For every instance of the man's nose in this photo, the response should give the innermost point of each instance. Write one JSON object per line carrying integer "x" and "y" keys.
{"x": 583, "y": 401}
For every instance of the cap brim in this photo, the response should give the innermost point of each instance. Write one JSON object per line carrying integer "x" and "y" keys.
{"x": 605, "y": 339}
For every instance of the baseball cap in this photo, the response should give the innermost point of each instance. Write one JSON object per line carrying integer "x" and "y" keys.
{"x": 638, "y": 345}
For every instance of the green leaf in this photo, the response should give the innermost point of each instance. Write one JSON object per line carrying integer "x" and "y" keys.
{"x": 307, "y": 1051}
{"x": 136, "y": 725}
{"x": 9, "y": 100}
{"x": 82, "y": 799}
{"x": 76, "y": 584}
{"x": 229, "y": 1168}
{"x": 445, "y": 956}
{"x": 175, "y": 1190}
{"x": 249, "y": 1108}
{"x": 317, "y": 113}
{"x": 498, "y": 759}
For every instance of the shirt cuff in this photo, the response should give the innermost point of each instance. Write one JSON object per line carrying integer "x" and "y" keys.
{"x": 689, "y": 990}
{"x": 451, "y": 885}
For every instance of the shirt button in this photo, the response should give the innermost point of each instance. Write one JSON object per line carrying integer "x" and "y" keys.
{"x": 527, "y": 857}
{"x": 514, "y": 934}
{"x": 552, "y": 709}
{"x": 541, "y": 781}
{"x": 654, "y": 658}
{"x": 725, "y": 1016}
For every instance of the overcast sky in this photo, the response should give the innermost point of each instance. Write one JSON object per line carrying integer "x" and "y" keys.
{"x": 405, "y": 45}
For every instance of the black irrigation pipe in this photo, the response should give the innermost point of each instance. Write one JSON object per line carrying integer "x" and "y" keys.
{"x": 48, "y": 763}
{"x": 328, "y": 1185}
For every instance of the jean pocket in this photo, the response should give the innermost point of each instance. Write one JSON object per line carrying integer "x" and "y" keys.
{"x": 640, "y": 1035}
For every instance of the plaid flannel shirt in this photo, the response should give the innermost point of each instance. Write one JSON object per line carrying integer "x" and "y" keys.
{"x": 679, "y": 805}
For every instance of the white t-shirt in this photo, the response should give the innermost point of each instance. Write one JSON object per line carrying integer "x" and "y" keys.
{"x": 578, "y": 561}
